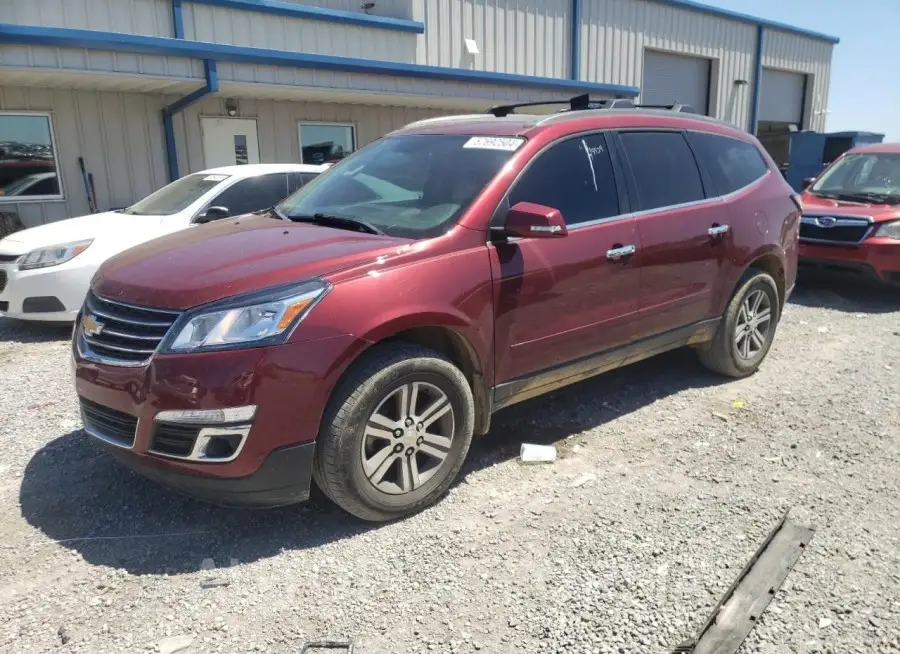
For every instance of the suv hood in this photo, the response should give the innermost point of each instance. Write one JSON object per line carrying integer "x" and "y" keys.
{"x": 229, "y": 257}
{"x": 878, "y": 212}
{"x": 109, "y": 225}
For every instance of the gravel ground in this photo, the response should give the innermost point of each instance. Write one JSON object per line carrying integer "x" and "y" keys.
{"x": 665, "y": 487}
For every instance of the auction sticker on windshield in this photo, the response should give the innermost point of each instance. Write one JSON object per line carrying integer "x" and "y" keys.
{"x": 494, "y": 143}
{"x": 215, "y": 178}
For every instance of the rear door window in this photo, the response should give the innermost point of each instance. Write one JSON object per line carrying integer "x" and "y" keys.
{"x": 732, "y": 163}
{"x": 253, "y": 194}
{"x": 298, "y": 180}
{"x": 574, "y": 176}
{"x": 665, "y": 171}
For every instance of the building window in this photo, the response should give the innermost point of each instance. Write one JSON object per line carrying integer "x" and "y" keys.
{"x": 322, "y": 143}
{"x": 28, "y": 165}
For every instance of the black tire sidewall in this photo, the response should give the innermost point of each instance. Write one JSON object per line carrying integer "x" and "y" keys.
{"x": 449, "y": 468}
{"x": 761, "y": 282}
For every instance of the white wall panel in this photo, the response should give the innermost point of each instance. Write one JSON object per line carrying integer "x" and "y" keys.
{"x": 147, "y": 17}
{"x": 792, "y": 52}
{"x": 98, "y": 61}
{"x": 528, "y": 37}
{"x": 276, "y": 32}
{"x": 614, "y": 34}
{"x": 119, "y": 135}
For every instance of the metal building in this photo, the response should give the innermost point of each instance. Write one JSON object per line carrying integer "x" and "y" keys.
{"x": 146, "y": 90}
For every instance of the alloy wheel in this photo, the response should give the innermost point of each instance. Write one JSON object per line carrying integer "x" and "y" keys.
{"x": 754, "y": 322}
{"x": 407, "y": 438}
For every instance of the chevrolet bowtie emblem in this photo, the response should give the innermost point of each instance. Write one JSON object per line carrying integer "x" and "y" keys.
{"x": 90, "y": 326}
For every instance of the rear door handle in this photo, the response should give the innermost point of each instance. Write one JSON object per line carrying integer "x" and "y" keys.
{"x": 718, "y": 230}
{"x": 618, "y": 253}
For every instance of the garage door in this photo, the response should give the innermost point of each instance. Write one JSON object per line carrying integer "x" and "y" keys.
{"x": 781, "y": 97}
{"x": 670, "y": 78}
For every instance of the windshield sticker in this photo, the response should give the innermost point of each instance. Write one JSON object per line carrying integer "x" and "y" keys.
{"x": 494, "y": 143}
{"x": 215, "y": 178}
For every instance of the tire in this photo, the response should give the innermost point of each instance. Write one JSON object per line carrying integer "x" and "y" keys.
{"x": 727, "y": 355}
{"x": 350, "y": 439}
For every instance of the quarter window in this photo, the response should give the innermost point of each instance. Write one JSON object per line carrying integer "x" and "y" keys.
{"x": 322, "y": 143}
{"x": 664, "y": 169}
{"x": 732, "y": 164}
{"x": 30, "y": 168}
{"x": 574, "y": 176}
{"x": 253, "y": 194}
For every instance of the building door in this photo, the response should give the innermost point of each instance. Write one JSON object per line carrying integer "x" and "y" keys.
{"x": 671, "y": 78}
{"x": 229, "y": 141}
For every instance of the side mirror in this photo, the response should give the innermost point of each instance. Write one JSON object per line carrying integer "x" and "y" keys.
{"x": 213, "y": 213}
{"x": 529, "y": 220}
{"x": 807, "y": 182}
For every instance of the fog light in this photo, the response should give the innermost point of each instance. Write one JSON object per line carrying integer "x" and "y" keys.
{"x": 209, "y": 416}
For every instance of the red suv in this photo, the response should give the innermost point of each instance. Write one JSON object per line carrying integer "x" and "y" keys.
{"x": 361, "y": 332}
{"x": 851, "y": 215}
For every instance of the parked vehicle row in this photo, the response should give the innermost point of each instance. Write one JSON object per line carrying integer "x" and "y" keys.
{"x": 363, "y": 330}
{"x": 45, "y": 271}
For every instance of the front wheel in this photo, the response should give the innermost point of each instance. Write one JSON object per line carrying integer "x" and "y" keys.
{"x": 747, "y": 329}
{"x": 396, "y": 433}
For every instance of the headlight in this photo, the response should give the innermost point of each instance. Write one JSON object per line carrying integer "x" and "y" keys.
{"x": 258, "y": 319}
{"x": 889, "y": 230}
{"x": 53, "y": 255}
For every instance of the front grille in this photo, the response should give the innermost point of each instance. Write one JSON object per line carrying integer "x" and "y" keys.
{"x": 174, "y": 440}
{"x": 120, "y": 333}
{"x": 2, "y": 280}
{"x": 833, "y": 229}
{"x": 108, "y": 424}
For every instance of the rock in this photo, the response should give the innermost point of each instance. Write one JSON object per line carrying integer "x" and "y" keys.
{"x": 174, "y": 644}
{"x": 824, "y": 623}
{"x": 64, "y": 636}
{"x": 583, "y": 479}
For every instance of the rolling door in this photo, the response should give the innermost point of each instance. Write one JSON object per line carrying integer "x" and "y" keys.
{"x": 670, "y": 78}
{"x": 781, "y": 97}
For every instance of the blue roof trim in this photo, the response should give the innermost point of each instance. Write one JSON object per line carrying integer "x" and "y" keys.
{"x": 152, "y": 45}
{"x": 747, "y": 18}
{"x": 318, "y": 13}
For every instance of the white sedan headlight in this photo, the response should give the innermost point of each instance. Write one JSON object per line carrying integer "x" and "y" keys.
{"x": 889, "y": 230}
{"x": 53, "y": 255}
{"x": 258, "y": 319}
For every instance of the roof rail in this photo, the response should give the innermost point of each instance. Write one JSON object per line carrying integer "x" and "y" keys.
{"x": 684, "y": 108}
{"x": 582, "y": 102}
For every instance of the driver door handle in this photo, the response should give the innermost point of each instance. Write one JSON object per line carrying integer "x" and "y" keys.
{"x": 718, "y": 230}
{"x": 620, "y": 252}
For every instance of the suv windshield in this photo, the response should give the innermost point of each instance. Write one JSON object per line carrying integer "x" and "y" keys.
{"x": 865, "y": 177}
{"x": 175, "y": 197}
{"x": 413, "y": 186}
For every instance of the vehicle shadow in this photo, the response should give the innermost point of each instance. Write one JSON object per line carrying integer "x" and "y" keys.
{"x": 75, "y": 493}
{"x": 18, "y": 331}
{"x": 817, "y": 290}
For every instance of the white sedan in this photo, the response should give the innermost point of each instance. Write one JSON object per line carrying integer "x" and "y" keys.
{"x": 45, "y": 271}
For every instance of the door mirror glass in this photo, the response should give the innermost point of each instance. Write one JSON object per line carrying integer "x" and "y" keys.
{"x": 213, "y": 213}
{"x": 529, "y": 220}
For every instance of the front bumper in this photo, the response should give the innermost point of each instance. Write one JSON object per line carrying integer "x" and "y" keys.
{"x": 289, "y": 384}
{"x": 877, "y": 259}
{"x": 30, "y": 294}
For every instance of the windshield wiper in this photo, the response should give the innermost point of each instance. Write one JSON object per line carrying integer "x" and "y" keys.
{"x": 821, "y": 194}
{"x": 341, "y": 222}
{"x": 870, "y": 196}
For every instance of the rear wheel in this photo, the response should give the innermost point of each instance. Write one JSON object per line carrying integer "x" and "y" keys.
{"x": 396, "y": 434}
{"x": 747, "y": 329}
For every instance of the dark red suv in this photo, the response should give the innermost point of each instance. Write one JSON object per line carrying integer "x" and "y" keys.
{"x": 851, "y": 215}
{"x": 361, "y": 332}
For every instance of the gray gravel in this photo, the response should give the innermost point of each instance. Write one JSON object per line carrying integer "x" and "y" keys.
{"x": 665, "y": 486}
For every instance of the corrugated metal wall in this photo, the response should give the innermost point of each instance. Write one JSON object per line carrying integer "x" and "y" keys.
{"x": 529, "y": 37}
{"x": 147, "y": 17}
{"x": 614, "y": 34}
{"x": 119, "y": 135}
{"x": 277, "y": 125}
{"x": 795, "y": 53}
{"x": 99, "y": 61}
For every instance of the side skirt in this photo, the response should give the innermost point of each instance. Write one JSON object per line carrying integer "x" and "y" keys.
{"x": 525, "y": 388}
